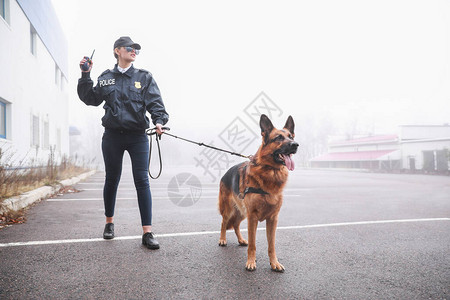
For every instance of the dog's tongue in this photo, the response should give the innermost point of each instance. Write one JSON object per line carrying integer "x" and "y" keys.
{"x": 289, "y": 162}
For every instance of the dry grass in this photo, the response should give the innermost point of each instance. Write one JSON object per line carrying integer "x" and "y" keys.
{"x": 16, "y": 179}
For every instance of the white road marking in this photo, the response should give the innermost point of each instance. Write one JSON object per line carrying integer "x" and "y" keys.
{"x": 122, "y": 189}
{"x": 166, "y": 188}
{"x": 84, "y": 199}
{"x": 363, "y": 223}
{"x": 154, "y": 197}
{"x": 120, "y": 184}
{"x": 128, "y": 189}
{"x": 181, "y": 234}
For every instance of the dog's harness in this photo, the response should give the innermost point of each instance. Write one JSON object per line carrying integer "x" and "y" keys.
{"x": 249, "y": 189}
{"x": 252, "y": 190}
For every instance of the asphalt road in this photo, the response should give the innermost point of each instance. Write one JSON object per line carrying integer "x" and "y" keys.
{"x": 341, "y": 235}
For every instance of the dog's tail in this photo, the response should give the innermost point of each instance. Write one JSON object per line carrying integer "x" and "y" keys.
{"x": 221, "y": 203}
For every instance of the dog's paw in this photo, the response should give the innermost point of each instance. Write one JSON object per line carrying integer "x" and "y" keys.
{"x": 222, "y": 243}
{"x": 250, "y": 266}
{"x": 243, "y": 242}
{"x": 277, "y": 267}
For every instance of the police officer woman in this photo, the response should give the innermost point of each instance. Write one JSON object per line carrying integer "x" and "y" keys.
{"x": 128, "y": 94}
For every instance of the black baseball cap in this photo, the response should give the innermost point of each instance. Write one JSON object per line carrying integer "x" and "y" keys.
{"x": 125, "y": 41}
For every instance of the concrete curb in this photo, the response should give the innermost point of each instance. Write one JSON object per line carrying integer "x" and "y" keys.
{"x": 19, "y": 202}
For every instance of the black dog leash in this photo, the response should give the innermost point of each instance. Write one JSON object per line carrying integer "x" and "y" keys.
{"x": 152, "y": 131}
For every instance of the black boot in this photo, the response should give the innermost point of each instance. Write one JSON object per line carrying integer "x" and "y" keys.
{"x": 108, "y": 233}
{"x": 149, "y": 241}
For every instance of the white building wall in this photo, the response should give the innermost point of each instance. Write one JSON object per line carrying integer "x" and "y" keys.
{"x": 415, "y": 150}
{"x": 27, "y": 85}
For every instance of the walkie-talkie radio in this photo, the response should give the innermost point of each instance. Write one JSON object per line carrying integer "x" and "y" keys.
{"x": 88, "y": 62}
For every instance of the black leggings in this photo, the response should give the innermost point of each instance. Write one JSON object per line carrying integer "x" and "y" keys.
{"x": 114, "y": 144}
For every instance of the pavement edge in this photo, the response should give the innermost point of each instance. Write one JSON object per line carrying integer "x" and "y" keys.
{"x": 22, "y": 201}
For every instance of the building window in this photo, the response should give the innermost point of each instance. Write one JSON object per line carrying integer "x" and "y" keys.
{"x": 4, "y": 10}
{"x": 33, "y": 39}
{"x": 35, "y": 131}
{"x": 46, "y": 144}
{"x": 2, "y": 120}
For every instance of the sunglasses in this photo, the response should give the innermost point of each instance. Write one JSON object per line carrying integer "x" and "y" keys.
{"x": 129, "y": 49}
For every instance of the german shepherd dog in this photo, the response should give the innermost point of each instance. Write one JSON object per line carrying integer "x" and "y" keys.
{"x": 254, "y": 190}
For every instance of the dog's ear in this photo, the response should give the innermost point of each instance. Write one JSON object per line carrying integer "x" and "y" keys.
{"x": 290, "y": 125}
{"x": 266, "y": 127}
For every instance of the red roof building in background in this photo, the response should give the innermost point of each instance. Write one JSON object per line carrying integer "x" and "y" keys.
{"x": 417, "y": 147}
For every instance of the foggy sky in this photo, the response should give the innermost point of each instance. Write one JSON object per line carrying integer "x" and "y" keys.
{"x": 373, "y": 65}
